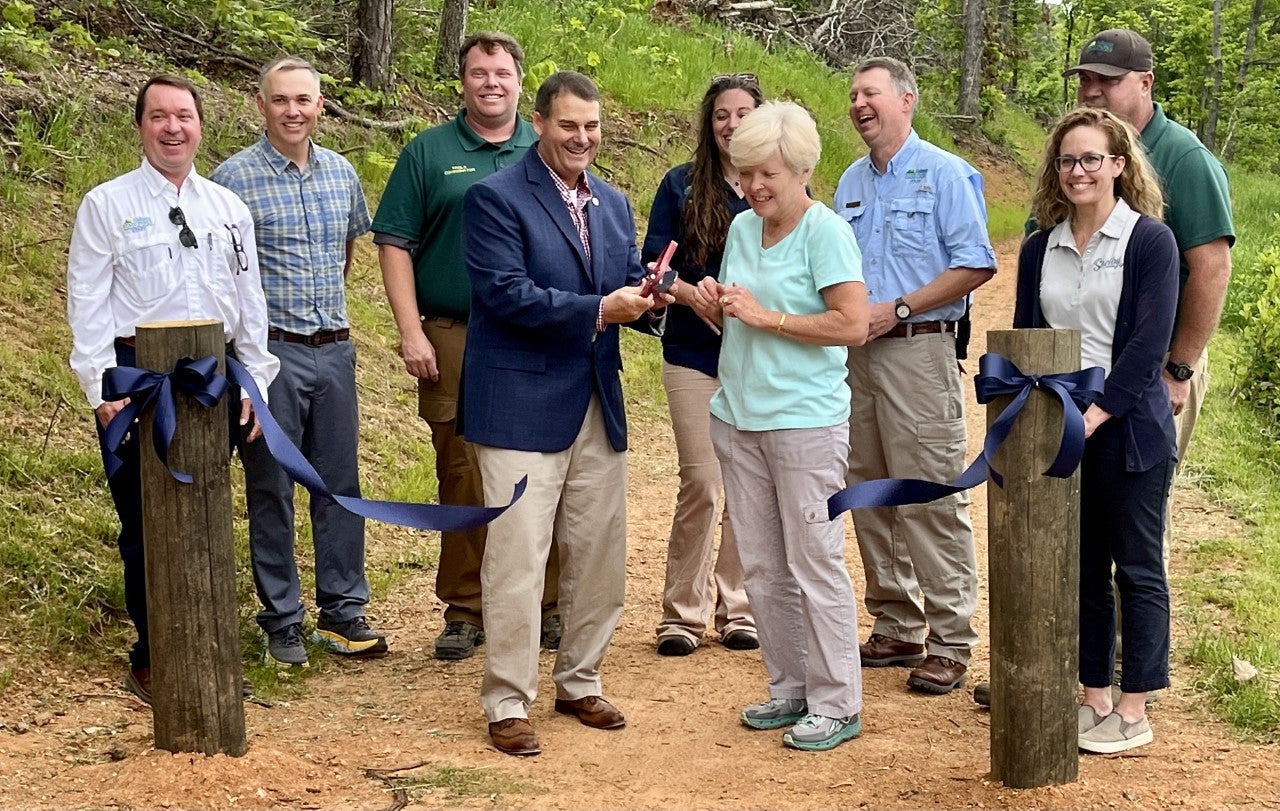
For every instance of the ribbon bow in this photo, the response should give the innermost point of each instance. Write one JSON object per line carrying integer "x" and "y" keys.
{"x": 200, "y": 379}
{"x": 997, "y": 375}
{"x": 145, "y": 388}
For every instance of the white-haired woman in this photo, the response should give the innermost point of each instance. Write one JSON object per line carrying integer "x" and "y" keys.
{"x": 791, "y": 300}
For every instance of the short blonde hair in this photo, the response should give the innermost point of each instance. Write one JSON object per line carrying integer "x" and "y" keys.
{"x": 777, "y": 126}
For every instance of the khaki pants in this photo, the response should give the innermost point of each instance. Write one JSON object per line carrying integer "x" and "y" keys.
{"x": 907, "y": 421}
{"x": 693, "y": 590}
{"x": 579, "y": 495}
{"x": 458, "y": 472}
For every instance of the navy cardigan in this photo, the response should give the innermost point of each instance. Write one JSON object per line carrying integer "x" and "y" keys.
{"x": 1134, "y": 392}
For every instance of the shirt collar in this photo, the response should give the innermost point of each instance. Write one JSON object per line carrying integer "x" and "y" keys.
{"x": 470, "y": 141}
{"x": 902, "y": 158}
{"x": 1155, "y": 127}
{"x": 1113, "y": 228}
{"x": 277, "y": 160}
{"x": 582, "y": 191}
{"x": 158, "y": 185}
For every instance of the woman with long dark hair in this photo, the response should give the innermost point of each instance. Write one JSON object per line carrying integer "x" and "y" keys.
{"x": 694, "y": 205}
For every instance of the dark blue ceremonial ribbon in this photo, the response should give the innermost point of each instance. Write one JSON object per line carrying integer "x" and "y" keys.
{"x": 145, "y": 388}
{"x": 200, "y": 379}
{"x": 443, "y": 517}
{"x": 997, "y": 376}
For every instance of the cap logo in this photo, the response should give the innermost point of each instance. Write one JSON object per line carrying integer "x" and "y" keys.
{"x": 1101, "y": 45}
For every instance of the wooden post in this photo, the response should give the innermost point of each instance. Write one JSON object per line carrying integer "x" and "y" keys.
{"x": 1033, "y": 558}
{"x": 190, "y": 554}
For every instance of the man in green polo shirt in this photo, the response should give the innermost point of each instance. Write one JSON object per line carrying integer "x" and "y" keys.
{"x": 418, "y": 231}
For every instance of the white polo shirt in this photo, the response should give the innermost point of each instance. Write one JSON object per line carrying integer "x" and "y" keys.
{"x": 1082, "y": 290}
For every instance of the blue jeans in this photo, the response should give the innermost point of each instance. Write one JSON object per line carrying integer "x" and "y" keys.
{"x": 1122, "y": 525}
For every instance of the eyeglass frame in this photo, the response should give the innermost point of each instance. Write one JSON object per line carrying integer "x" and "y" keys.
{"x": 186, "y": 237}
{"x": 242, "y": 258}
{"x": 1071, "y": 161}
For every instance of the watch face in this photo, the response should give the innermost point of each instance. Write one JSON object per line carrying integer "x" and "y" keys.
{"x": 902, "y": 310}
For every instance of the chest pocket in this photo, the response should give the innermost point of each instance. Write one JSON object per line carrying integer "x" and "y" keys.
{"x": 911, "y": 222}
{"x": 147, "y": 268}
{"x": 223, "y": 264}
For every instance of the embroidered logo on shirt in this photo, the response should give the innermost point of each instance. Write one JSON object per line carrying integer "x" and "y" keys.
{"x": 135, "y": 225}
{"x": 1108, "y": 264}
{"x": 916, "y": 175}
{"x": 458, "y": 170}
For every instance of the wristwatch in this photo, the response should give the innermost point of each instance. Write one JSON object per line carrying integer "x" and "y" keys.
{"x": 1178, "y": 371}
{"x": 901, "y": 309}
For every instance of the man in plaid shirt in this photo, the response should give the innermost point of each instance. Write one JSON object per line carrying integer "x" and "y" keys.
{"x": 308, "y": 209}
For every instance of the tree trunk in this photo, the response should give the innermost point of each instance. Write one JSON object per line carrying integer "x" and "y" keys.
{"x": 371, "y": 48}
{"x": 453, "y": 26}
{"x": 971, "y": 58}
{"x": 1250, "y": 42}
{"x": 1215, "y": 74}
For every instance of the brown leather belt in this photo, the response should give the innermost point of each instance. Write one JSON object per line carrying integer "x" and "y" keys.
{"x": 324, "y": 336}
{"x": 910, "y": 328}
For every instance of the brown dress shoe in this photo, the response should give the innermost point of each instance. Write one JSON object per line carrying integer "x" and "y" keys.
{"x": 138, "y": 682}
{"x": 593, "y": 711}
{"x": 883, "y": 651}
{"x": 937, "y": 675}
{"x": 514, "y": 736}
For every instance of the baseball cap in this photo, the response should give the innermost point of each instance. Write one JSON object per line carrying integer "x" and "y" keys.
{"x": 1114, "y": 52}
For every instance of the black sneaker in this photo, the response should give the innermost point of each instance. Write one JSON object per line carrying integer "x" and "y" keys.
{"x": 458, "y": 640}
{"x": 552, "y": 630}
{"x": 351, "y": 637}
{"x": 287, "y": 647}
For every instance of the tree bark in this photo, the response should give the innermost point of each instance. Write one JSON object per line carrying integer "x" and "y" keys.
{"x": 371, "y": 48}
{"x": 453, "y": 26}
{"x": 971, "y": 58}
{"x": 1215, "y": 75}
{"x": 1250, "y": 42}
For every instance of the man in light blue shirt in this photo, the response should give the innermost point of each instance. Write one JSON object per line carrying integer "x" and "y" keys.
{"x": 308, "y": 209}
{"x": 921, "y": 223}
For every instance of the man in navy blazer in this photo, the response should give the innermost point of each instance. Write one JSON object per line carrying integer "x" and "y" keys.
{"x": 551, "y": 252}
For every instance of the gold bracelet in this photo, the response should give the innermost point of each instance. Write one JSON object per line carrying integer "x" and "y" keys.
{"x": 781, "y": 321}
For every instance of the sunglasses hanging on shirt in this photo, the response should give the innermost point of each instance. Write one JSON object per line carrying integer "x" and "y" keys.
{"x": 185, "y": 234}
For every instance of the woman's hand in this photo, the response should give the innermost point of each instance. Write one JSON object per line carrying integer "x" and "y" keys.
{"x": 706, "y": 302}
{"x": 740, "y": 303}
{"x": 1093, "y": 417}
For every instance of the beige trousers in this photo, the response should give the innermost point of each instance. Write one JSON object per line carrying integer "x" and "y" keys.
{"x": 907, "y": 421}
{"x": 580, "y": 496}
{"x": 694, "y": 590}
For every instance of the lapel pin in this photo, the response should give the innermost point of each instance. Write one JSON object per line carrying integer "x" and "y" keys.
{"x": 595, "y": 201}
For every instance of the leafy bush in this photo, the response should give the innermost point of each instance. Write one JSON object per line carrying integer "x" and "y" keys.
{"x": 1260, "y": 366}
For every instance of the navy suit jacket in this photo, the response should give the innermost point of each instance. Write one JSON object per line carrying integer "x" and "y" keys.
{"x": 533, "y": 357}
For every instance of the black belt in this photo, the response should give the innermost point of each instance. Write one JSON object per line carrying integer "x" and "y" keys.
{"x": 324, "y": 336}
{"x": 910, "y": 328}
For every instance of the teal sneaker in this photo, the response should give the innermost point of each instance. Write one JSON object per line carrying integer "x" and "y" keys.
{"x": 775, "y": 713}
{"x": 818, "y": 733}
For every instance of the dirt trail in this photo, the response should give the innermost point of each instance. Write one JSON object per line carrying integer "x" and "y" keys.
{"x": 86, "y": 744}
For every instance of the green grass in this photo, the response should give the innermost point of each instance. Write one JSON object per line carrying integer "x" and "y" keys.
{"x": 462, "y": 782}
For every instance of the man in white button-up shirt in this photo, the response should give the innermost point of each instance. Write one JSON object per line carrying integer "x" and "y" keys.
{"x": 160, "y": 243}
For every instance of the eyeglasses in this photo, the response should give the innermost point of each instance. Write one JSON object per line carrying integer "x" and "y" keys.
{"x": 185, "y": 235}
{"x": 724, "y": 78}
{"x": 1091, "y": 162}
{"x": 242, "y": 259}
